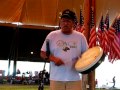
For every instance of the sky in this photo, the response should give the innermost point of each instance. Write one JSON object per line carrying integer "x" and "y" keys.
{"x": 24, "y": 66}
{"x": 106, "y": 71}
{"x": 103, "y": 73}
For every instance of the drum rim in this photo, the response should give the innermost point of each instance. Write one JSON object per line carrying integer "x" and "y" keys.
{"x": 92, "y": 64}
{"x": 95, "y": 66}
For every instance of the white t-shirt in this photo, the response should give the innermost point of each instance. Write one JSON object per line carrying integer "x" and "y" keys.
{"x": 69, "y": 48}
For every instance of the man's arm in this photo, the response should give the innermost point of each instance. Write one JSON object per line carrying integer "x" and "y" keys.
{"x": 52, "y": 58}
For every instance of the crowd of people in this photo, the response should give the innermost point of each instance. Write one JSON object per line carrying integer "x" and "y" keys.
{"x": 28, "y": 78}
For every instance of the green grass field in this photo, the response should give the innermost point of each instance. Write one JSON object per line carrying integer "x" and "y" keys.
{"x": 28, "y": 87}
{"x": 21, "y": 87}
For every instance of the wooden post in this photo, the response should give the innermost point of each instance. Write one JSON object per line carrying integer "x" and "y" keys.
{"x": 87, "y": 18}
{"x": 91, "y": 75}
{"x": 91, "y": 80}
{"x": 86, "y": 13}
{"x": 88, "y": 80}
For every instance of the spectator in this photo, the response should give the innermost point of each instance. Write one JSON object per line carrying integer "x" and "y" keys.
{"x": 113, "y": 82}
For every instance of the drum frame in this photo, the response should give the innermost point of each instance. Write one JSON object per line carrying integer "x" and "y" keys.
{"x": 95, "y": 66}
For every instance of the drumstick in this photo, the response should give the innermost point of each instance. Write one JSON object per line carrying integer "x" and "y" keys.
{"x": 47, "y": 48}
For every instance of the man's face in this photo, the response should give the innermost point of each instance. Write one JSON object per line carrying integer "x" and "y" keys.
{"x": 66, "y": 25}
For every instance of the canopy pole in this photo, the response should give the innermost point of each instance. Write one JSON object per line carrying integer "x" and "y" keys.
{"x": 9, "y": 61}
{"x": 15, "y": 56}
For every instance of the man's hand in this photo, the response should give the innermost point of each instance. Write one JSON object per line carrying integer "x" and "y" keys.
{"x": 56, "y": 60}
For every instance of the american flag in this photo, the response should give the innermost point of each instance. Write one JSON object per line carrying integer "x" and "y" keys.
{"x": 80, "y": 26}
{"x": 93, "y": 36}
{"x": 112, "y": 30}
{"x": 118, "y": 36}
{"x": 105, "y": 41}
{"x": 100, "y": 32}
{"x": 107, "y": 21}
{"x": 118, "y": 31}
{"x": 114, "y": 38}
{"x": 111, "y": 36}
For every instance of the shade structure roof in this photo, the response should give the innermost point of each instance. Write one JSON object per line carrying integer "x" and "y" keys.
{"x": 47, "y": 12}
{"x": 35, "y": 12}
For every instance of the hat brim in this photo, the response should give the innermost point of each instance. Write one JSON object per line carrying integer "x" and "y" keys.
{"x": 66, "y": 16}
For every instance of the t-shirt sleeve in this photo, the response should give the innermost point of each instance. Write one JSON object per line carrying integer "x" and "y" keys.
{"x": 84, "y": 44}
{"x": 43, "y": 48}
{"x": 48, "y": 38}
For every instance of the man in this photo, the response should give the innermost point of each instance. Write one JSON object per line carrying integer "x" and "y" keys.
{"x": 113, "y": 82}
{"x": 66, "y": 46}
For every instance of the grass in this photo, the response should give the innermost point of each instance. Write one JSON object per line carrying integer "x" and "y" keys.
{"x": 107, "y": 89}
{"x": 21, "y": 87}
{"x": 28, "y": 87}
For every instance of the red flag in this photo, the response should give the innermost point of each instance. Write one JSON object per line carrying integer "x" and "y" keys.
{"x": 93, "y": 37}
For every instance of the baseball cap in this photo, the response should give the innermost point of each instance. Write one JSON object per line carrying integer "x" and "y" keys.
{"x": 69, "y": 14}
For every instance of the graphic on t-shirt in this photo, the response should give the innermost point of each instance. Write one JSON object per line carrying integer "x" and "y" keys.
{"x": 65, "y": 46}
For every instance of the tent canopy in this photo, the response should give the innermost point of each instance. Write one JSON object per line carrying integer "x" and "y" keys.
{"x": 47, "y": 12}
{"x": 35, "y": 12}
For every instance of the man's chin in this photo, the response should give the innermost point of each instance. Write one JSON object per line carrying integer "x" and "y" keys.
{"x": 66, "y": 31}
{"x": 66, "y": 28}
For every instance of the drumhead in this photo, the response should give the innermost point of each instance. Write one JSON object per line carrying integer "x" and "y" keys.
{"x": 90, "y": 59}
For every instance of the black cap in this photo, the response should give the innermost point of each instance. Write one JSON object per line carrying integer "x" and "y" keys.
{"x": 70, "y": 15}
